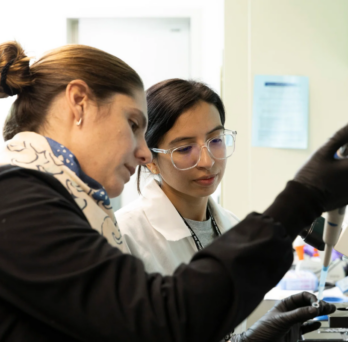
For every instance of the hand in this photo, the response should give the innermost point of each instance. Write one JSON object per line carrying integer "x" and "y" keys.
{"x": 284, "y": 322}
{"x": 327, "y": 175}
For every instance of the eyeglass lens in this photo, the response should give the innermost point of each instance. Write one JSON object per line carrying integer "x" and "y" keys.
{"x": 187, "y": 156}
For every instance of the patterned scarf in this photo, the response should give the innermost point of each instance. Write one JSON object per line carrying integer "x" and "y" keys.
{"x": 33, "y": 151}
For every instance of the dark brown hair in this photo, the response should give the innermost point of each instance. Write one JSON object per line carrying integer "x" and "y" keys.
{"x": 167, "y": 100}
{"x": 41, "y": 82}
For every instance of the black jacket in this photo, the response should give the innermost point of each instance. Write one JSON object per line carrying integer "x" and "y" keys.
{"x": 61, "y": 281}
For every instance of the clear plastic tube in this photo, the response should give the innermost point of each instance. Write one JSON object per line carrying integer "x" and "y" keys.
{"x": 322, "y": 282}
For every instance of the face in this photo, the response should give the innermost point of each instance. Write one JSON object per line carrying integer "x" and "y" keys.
{"x": 196, "y": 125}
{"x": 113, "y": 141}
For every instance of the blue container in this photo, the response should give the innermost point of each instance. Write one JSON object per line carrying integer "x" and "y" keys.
{"x": 334, "y": 299}
{"x": 329, "y": 300}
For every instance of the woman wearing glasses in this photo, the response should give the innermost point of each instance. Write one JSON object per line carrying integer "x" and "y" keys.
{"x": 175, "y": 214}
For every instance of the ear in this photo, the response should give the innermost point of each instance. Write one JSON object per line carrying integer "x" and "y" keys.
{"x": 77, "y": 95}
{"x": 153, "y": 168}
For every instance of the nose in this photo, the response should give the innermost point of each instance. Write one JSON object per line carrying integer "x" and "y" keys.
{"x": 206, "y": 161}
{"x": 143, "y": 154}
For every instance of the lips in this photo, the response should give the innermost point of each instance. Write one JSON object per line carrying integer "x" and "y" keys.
{"x": 206, "y": 180}
{"x": 206, "y": 177}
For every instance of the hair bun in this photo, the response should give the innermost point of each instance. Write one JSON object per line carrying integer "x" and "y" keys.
{"x": 14, "y": 69}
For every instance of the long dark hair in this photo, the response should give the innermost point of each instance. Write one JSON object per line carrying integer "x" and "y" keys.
{"x": 167, "y": 100}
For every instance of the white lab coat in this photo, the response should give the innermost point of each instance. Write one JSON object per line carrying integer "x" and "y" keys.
{"x": 154, "y": 231}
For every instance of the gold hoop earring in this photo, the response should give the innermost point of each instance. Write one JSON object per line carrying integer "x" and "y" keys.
{"x": 78, "y": 123}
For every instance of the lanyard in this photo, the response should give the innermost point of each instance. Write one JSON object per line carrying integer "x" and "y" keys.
{"x": 200, "y": 246}
{"x": 193, "y": 234}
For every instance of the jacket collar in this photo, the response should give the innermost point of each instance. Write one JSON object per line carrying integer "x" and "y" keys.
{"x": 163, "y": 216}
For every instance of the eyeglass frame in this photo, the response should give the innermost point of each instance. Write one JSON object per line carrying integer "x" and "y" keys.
{"x": 171, "y": 150}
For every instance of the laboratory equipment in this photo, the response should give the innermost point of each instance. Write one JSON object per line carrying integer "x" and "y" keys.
{"x": 299, "y": 280}
{"x": 332, "y": 230}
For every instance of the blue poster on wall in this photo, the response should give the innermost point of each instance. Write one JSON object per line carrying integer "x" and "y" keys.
{"x": 280, "y": 111}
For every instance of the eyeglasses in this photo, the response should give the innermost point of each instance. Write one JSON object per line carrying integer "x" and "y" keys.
{"x": 188, "y": 156}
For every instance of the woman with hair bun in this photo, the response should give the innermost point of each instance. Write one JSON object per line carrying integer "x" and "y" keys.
{"x": 74, "y": 136}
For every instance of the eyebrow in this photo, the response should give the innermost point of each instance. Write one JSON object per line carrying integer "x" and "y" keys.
{"x": 179, "y": 139}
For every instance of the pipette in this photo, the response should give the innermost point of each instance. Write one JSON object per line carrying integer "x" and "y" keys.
{"x": 332, "y": 230}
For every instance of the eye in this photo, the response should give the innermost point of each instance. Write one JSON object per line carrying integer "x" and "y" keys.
{"x": 184, "y": 149}
{"x": 134, "y": 126}
{"x": 216, "y": 141}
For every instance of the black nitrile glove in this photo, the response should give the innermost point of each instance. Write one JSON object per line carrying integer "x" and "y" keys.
{"x": 285, "y": 321}
{"x": 327, "y": 175}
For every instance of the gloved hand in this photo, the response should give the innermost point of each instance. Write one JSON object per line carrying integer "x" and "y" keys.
{"x": 326, "y": 175}
{"x": 284, "y": 322}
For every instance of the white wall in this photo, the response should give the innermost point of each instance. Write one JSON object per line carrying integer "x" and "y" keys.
{"x": 159, "y": 48}
{"x": 287, "y": 37}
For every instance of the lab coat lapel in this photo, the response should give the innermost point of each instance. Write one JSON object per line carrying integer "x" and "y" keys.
{"x": 161, "y": 213}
